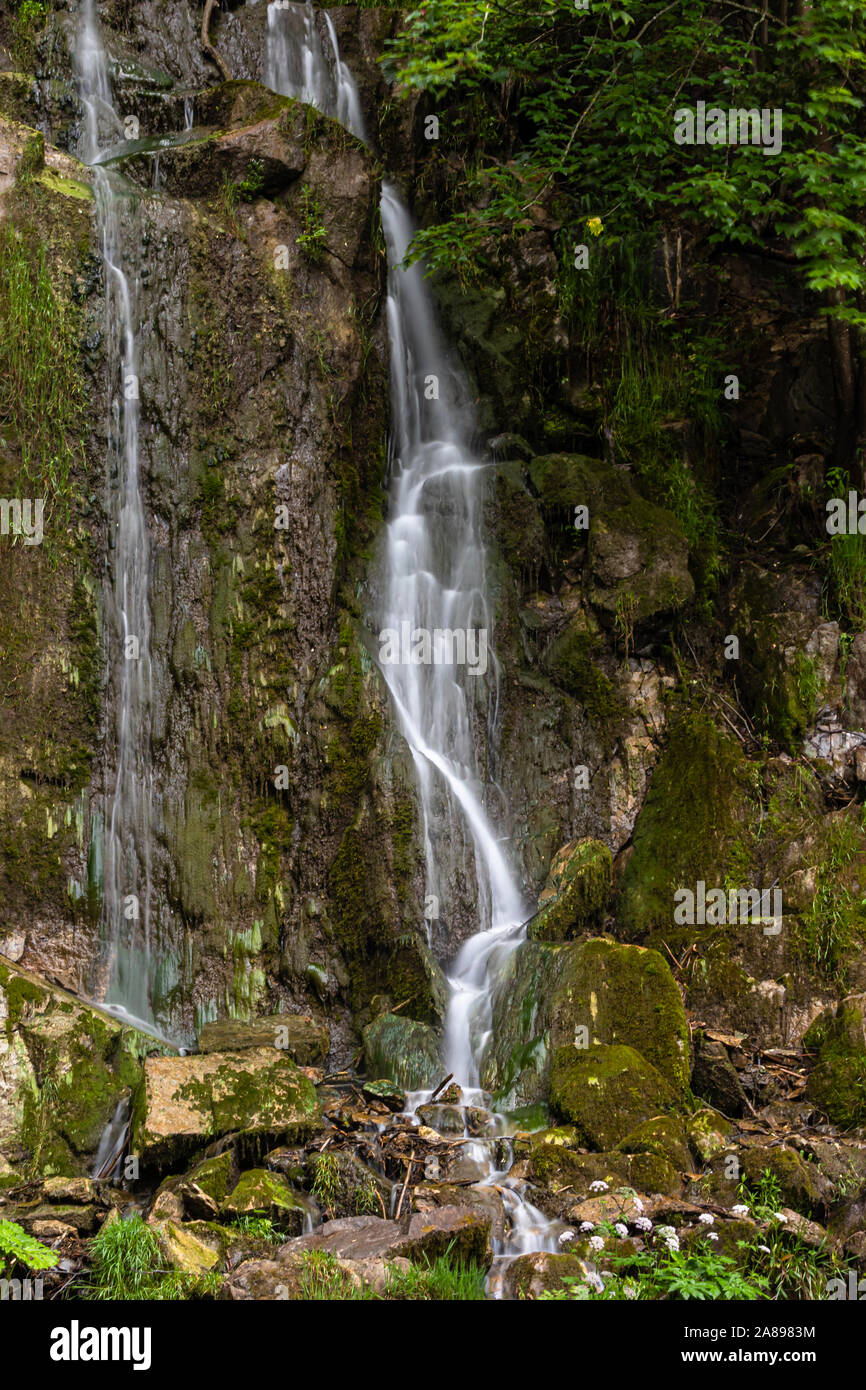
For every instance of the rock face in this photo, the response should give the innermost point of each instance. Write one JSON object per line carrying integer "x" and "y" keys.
{"x": 64, "y": 1067}
{"x": 188, "y": 1101}
{"x": 838, "y": 1083}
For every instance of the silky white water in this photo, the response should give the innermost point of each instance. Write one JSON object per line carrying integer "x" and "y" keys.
{"x": 434, "y": 579}
{"x": 126, "y": 910}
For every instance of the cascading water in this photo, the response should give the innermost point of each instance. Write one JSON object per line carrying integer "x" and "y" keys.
{"x": 434, "y": 581}
{"x": 126, "y": 913}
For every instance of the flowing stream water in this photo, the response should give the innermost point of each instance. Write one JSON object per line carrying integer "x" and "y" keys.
{"x": 434, "y": 580}
{"x": 126, "y": 822}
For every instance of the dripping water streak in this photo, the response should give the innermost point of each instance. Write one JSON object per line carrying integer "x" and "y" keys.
{"x": 126, "y": 916}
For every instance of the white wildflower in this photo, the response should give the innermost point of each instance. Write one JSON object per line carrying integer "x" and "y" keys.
{"x": 780, "y": 1216}
{"x": 711, "y": 1235}
{"x": 739, "y": 1210}
{"x": 596, "y": 1243}
{"x": 706, "y": 1219}
{"x": 586, "y": 1227}
{"x": 643, "y": 1223}
{"x": 598, "y": 1186}
{"x": 566, "y": 1235}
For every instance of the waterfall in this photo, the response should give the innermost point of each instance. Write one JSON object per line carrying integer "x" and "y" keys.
{"x": 126, "y": 906}
{"x": 434, "y": 578}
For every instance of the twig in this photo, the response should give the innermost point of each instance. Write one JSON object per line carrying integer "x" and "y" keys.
{"x": 405, "y": 1187}
{"x": 442, "y": 1085}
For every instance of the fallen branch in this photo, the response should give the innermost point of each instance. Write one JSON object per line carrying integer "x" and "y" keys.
{"x": 206, "y": 43}
{"x": 442, "y": 1085}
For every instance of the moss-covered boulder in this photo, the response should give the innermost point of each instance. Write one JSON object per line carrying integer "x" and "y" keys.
{"x": 596, "y": 991}
{"x": 663, "y": 1135}
{"x": 63, "y": 1069}
{"x": 576, "y": 892}
{"x": 708, "y": 1134}
{"x": 837, "y": 1085}
{"x": 186, "y": 1102}
{"x": 268, "y": 1195}
{"x": 402, "y": 1051}
{"x": 184, "y": 1251}
{"x": 606, "y": 1091}
{"x": 557, "y": 1164}
{"x": 802, "y": 1185}
{"x": 206, "y": 1186}
{"x": 692, "y": 826}
{"x": 639, "y": 563}
{"x": 531, "y": 1275}
{"x": 299, "y": 1036}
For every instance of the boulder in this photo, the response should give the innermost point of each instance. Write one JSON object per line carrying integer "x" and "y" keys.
{"x": 394, "y": 1097}
{"x": 188, "y": 1101}
{"x": 183, "y": 1251}
{"x": 300, "y": 1037}
{"x": 206, "y": 1186}
{"x": 576, "y": 892}
{"x": 837, "y": 1085}
{"x": 403, "y": 1051}
{"x": 606, "y": 1091}
{"x": 715, "y": 1079}
{"x": 663, "y": 1135}
{"x": 601, "y": 991}
{"x": 64, "y": 1066}
{"x": 531, "y": 1275}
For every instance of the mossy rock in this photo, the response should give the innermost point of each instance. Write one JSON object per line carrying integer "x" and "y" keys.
{"x": 557, "y": 1165}
{"x": 708, "y": 1134}
{"x": 837, "y": 1085}
{"x": 663, "y": 1135}
{"x": 184, "y": 1251}
{"x": 639, "y": 563}
{"x": 206, "y": 1186}
{"x": 693, "y": 825}
{"x": 802, "y": 1185}
{"x": 606, "y": 1091}
{"x": 543, "y": 994}
{"x": 63, "y": 1069}
{"x": 529, "y": 1276}
{"x": 258, "y": 1094}
{"x": 403, "y": 1051}
{"x": 576, "y": 892}
{"x": 264, "y": 1194}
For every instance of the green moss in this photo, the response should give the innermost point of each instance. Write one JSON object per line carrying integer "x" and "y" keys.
{"x": 573, "y": 663}
{"x": 582, "y": 892}
{"x": 606, "y": 1091}
{"x": 705, "y": 771}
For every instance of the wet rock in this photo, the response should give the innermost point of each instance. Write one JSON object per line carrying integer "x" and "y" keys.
{"x": 576, "y": 892}
{"x": 599, "y": 991}
{"x": 555, "y": 1165}
{"x": 188, "y": 1101}
{"x": 84, "y": 1220}
{"x": 300, "y": 1037}
{"x": 261, "y": 1193}
{"x": 429, "y": 1196}
{"x": 394, "y": 1097}
{"x": 445, "y": 1119}
{"x": 404, "y": 1051}
{"x": 52, "y": 1045}
{"x": 606, "y": 1091}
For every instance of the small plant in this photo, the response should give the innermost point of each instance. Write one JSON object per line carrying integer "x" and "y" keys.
{"x": 326, "y": 1180}
{"x": 250, "y": 187}
{"x": 17, "y": 1247}
{"x": 438, "y": 1281}
{"x": 314, "y": 232}
{"x": 666, "y": 1273}
{"x": 259, "y": 1227}
{"x": 366, "y": 1196}
{"x": 125, "y": 1261}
